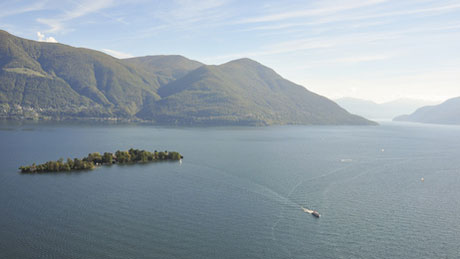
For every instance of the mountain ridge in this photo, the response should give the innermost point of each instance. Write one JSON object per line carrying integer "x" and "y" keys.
{"x": 387, "y": 110}
{"x": 447, "y": 112}
{"x": 55, "y": 81}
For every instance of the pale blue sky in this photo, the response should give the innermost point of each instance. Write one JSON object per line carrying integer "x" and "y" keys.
{"x": 376, "y": 49}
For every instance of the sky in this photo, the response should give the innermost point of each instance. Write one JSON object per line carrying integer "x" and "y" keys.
{"x": 378, "y": 50}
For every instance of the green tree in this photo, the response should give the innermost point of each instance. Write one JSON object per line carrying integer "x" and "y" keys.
{"x": 78, "y": 164}
{"x": 107, "y": 158}
{"x": 70, "y": 162}
{"x": 143, "y": 156}
{"x": 65, "y": 167}
{"x": 123, "y": 156}
{"x": 174, "y": 156}
{"x": 94, "y": 157}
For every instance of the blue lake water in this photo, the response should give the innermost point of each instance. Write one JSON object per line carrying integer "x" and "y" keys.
{"x": 237, "y": 194}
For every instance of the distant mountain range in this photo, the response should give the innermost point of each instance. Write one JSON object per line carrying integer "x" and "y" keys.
{"x": 388, "y": 110}
{"x": 53, "y": 81}
{"x": 447, "y": 112}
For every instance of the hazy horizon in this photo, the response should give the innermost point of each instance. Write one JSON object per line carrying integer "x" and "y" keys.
{"x": 402, "y": 99}
{"x": 377, "y": 50}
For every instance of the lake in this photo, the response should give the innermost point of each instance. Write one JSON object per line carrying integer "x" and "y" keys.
{"x": 238, "y": 193}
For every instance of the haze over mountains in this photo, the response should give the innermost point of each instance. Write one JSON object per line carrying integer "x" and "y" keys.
{"x": 55, "y": 81}
{"x": 447, "y": 112}
{"x": 385, "y": 111}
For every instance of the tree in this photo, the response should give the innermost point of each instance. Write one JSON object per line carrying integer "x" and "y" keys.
{"x": 143, "y": 156}
{"x": 59, "y": 164}
{"x": 94, "y": 157}
{"x": 107, "y": 158}
{"x": 174, "y": 156}
{"x": 70, "y": 162}
{"x": 123, "y": 156}
{"x": 65, "y": 167}
{"x": 78, "y": 164}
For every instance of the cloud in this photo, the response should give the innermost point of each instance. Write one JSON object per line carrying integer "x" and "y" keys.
{"x": 57, "y": 24}
{"x": 426, "y": 11}
{"x": 195, "y": 10}
{"x": 20, "y": 10}
{"x": 297, "y": 45}
{"x": 327, "y": 9}
{"x": 190, "y": 14}
{"x": 338, "y": 14}
{"x": 117, "y": 54}
{"x": 43, "y": 38}
{"x": 359, "y": 59}
{"x": 351, "y": 60}
{"x": 334, "y": 42}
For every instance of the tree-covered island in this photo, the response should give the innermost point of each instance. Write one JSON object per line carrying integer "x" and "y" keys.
{"x": 96, "y": 159}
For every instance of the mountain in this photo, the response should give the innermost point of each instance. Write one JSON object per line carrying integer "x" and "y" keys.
{"x": 447, "y": 112}
{"x": 59, "y": 80}
{"x": 243, "y": 92}
{"x": 388, "y": 110}
{"x": 166, "y": 68}
{"x": 55, "y": 81}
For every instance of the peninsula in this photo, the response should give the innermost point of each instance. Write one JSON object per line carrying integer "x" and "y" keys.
{"x": 93, "y": 160}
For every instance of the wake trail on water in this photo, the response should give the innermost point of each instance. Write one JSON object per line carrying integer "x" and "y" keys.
{"x": 262, "y": 190}
{"x": 297, "y": 205}
{"x": 265, "y": 192}
{"x": 307, "y": 210}
{"x": 285, "y": 200}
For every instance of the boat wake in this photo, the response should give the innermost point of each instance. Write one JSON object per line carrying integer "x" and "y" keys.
{"x": 312, "y": 212}
{"x": 307, "y": 210}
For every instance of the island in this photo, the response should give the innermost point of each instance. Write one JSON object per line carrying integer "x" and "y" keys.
{"x": 132, "y": 156}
